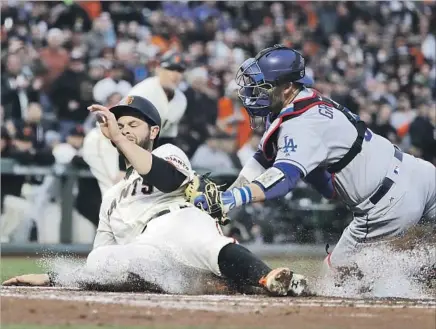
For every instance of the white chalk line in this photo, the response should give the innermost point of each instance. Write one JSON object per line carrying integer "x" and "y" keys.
{"x": 237, "y": 303}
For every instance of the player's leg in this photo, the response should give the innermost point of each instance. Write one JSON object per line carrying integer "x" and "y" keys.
{"x": 133, "y": 267}
{"x": 245, "y": 269}
{"x": 194, "y": 239}
{"x": 409, "y": 199}
{"x": 428, "y": 175}
{"x": 343, "y": 252}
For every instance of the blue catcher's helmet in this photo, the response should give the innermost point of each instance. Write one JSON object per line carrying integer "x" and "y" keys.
{"x": 271, "y": 67}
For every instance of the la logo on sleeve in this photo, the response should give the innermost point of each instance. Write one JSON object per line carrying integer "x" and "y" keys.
{"x": 289, "y": 145}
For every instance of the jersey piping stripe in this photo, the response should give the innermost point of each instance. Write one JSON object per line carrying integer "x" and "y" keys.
{"x": 299, "y": 165}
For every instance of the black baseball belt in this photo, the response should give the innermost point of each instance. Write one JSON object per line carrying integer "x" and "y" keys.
{"x": 161, "y": 213}
{"x": 387, "y": 182}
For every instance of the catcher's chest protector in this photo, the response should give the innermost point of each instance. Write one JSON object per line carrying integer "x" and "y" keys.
{"x": 269, "y": 139}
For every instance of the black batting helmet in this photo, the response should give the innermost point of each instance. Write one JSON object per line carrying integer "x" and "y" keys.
{"x": 137, "y": 105}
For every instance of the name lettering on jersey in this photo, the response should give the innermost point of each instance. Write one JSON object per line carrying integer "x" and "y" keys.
{"x": 289, "y": 145}
{"x": 135, "y": 185}
{"x": 124, "y": 193}
{"x": 176, "y": 161}
{"x": 130, "y": 190}
{"x": 112, "y": 207}
{"x": 326, "y": 111}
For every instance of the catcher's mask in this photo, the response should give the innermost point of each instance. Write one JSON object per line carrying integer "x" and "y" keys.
{"x": 257, "y": 77}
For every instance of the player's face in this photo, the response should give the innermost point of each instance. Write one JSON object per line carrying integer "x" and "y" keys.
{"x": 277, "y": 99}
{"x": 138, "y": 131}
{"x": 281, "y": 96}
{"x": 169, "y": 79}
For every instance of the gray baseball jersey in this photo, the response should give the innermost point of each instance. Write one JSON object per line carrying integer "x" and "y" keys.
{"x": 321, "y": 136}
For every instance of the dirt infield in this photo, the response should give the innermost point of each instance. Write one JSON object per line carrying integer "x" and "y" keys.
{"x": 49, "y": 306}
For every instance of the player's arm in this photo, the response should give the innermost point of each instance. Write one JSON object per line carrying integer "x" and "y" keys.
{"x": 157, "y": 171}
{"x": 104, "y": 235}
{"x": 252, "y": 169}
{"x": 171, "y": 168}
{"x": 275, "y": 182}
{"x": 322, "y": 181}
{"x": 138, "y": 157}
{"x": 300, "y": 150}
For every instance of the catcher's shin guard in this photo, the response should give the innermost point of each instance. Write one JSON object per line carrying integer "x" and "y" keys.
{"x": 283, "y": 282}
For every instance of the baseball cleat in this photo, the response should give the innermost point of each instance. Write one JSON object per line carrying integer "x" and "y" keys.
{"x": 282, "y": 282}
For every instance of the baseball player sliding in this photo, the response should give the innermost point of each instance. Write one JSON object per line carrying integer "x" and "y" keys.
{"x": 146, "y": 216}
{"x": 311, "y": 137}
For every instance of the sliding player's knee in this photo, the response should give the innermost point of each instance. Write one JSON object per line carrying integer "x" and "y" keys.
{"x": 106, "y": 258}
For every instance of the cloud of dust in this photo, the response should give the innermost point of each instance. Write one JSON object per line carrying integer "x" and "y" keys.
{"x": 111, "y": 267}
{"x": 386, "y": 273}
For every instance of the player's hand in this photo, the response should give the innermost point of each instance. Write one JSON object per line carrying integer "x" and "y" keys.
{"x": 28, "y": 280}
{"x": 206, "y": 195}
{"x": 108, "y": 122}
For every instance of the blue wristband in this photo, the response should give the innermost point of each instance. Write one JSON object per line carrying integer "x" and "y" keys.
{"x": 236, "y": 197}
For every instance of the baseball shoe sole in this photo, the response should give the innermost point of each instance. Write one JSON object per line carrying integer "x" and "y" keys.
{"x": 283, "y": 282}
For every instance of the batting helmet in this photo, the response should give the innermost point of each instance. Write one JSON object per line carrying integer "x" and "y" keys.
{"x": 272, "y": 67}
{"x": 139, "y": 105}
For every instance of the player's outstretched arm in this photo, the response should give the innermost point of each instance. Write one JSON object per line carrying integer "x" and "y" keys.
{"x": 36, "y": 280}
{"x": 275, "y": 182}
{"x": 252, "y": 169}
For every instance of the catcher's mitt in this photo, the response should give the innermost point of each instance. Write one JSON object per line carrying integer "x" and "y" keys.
{"x": 203, "y": 186}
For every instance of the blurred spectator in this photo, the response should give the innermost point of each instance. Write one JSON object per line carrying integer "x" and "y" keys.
{"x": 24, "y": 149}
{"x": 40, "y": 128}
{"x": 11, "y": 201}
{"x": 217, "y": 154}
{"x": 422, "y": 132}
{"x": 381, "y": 124}
{"x": 97, "y": 69}
{"x": 9, "y": 184}
{"x": 201, "y": 113}
{"x": 16, "y": 88}
{"x": 247, "y": 151}
{"x": 66, "y": 95}
{"x": 162, "y": 90}
{"x": 101, "y": 36}
{"x": 113, "y": 83}
{"x": 232, "y": 118}
{"x": 404, "y": 113}
{"x": 54, "y": 56}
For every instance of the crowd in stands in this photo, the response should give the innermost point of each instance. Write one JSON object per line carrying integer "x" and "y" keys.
{"x": 376, "y": 58}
